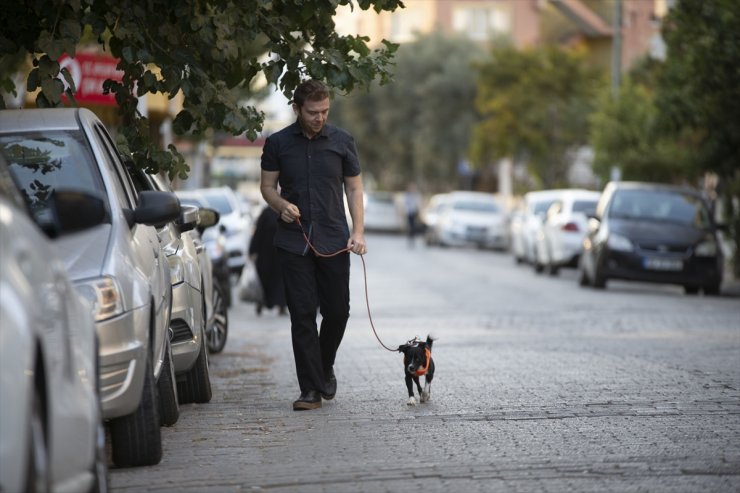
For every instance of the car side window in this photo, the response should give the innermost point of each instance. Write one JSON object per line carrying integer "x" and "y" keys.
{"x": 124, "y": 187}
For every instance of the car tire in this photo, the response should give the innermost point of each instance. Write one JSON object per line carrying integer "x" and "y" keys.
{"x": 38, "y": 472}
{"x": 712, "y": 290}
{"x": 136, "y": 439}
{"x": 216, "y": 336}
{"x": 196, "y": 386}
{"x": 599, "y": 280}
{"x": 169, "y": 405}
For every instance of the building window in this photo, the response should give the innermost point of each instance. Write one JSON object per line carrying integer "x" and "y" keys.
{"x": 480, "y": 23}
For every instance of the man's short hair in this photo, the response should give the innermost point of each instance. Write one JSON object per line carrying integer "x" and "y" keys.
{"x": 310, "y": 90}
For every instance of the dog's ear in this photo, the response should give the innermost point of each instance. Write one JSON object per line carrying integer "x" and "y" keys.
{"x": 403, "y": 348}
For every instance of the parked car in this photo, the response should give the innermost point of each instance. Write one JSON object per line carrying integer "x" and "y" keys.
{"x": 430, "y": 217}
{"x": 237, "y": 225}
{"x": 217, "y": 320}
{"x": 653, "y": 233}
{"x": 117, "y": 265}
{"x": 383, "y": 213}
{"x": 191, "y": 287}
{"x": 560, "y": 240}
{"x": 214, "y": 240}
{"x": 472, "y": 219}
{"x": 51, "y": 425}
{"x": 527, "y": 221}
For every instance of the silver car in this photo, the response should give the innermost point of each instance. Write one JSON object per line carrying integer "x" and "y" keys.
{"x": 51, "y": 428}
{"x": 192, "y": 289}
{"x": 118, "y": 265}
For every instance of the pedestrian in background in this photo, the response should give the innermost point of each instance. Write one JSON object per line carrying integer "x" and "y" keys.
{"x": 263, "y": 254}
{"x": 314, "y": 164}
{"x": 412, "y": 204}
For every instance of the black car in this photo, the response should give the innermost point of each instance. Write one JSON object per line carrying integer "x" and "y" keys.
{"x": 653, "y": 233}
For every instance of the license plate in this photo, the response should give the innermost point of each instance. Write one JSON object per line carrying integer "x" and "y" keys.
{"x": 657, "y": 263}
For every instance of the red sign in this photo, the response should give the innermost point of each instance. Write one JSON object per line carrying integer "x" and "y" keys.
{"x": 89, "y": 71}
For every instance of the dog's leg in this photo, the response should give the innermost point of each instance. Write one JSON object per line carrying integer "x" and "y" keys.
{"x": 427, "y": 393}
{"x": 418, "y": 387}
{"x": 410, "y": 387}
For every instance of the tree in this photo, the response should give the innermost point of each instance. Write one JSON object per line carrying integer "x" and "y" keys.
{"x": 699, "y": 93}
{"x": 200, "y": 48}
{"x": 418, "y": 127}
{"x": 624, "y": 134}
{"x": 534, "y": 106}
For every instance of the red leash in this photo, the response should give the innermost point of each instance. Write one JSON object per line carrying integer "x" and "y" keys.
{"x": 364, "y": 272}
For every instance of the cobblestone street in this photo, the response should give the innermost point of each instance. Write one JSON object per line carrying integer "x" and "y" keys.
{"x": 540, "y": 385}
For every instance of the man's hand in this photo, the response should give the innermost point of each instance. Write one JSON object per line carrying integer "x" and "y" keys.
{"x": 290, "y": 213}
{"x": 356, "y": 244}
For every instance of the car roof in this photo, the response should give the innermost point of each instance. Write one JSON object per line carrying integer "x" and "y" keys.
{"x": 33, "y": 119}
{"x": 643, "y": 185}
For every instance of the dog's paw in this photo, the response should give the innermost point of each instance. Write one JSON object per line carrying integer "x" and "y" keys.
{"x": 411, "y": 401}
{"x": 425, "y": 396}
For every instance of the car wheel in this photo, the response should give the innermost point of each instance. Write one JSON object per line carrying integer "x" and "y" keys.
{"x": 712, "y": 290}
{"x": 216, "y": 336}
{"x": 169, "y": 407}
{"x": 599, "y": 280}
{"x": 691, "y": 289}
{"x": 38, "y": 475}
{"x": 196, "y": 386}
{"x": 136, "y": 439}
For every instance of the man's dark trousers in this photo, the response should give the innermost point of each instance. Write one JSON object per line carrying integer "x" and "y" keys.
{"x": 312, "y": 282}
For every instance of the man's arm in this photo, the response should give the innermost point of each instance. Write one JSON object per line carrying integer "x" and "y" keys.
{"x": 269, "y": 188}
{"x": 353, "y": 190}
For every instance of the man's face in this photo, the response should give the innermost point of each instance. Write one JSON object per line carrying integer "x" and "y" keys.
{"x": 312, "y": 115}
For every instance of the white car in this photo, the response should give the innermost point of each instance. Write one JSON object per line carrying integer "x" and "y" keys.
{"x": 472, "y": 219}
{"x": 382, "y": 213}
{"x": 51, "y": 430}
{"x": 560, "y": 240}
{"x": 430, "y": 217}
{"x": 237, "y": 225}
{"x": 528, "y": 221}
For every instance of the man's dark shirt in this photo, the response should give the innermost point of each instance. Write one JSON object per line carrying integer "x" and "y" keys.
{"x": 312, "y": 175}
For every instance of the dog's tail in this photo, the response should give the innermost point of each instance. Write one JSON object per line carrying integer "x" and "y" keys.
{"x": 430, "y": 339}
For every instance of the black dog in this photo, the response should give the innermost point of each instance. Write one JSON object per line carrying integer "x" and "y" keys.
{"x": 417, "y": 361}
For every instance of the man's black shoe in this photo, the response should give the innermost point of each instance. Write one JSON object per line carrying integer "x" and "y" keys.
{"x": 308, "y": 400}
{"x": 330, "y": 386}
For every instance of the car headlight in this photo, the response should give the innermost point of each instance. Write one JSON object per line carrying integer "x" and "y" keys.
{"x": 104, "y": 297}
{"x": 707, "y": 248}
{"x": 177, "y": 270}
{"x": 619, "y": 243}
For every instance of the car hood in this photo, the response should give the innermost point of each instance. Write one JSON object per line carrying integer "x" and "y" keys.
{"x": 83, "y": 253}
{"x": 653, "y": 233}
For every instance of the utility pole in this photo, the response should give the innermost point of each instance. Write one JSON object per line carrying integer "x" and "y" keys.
{"x": 616, "y": 171}
{"x": 617, "y": 48}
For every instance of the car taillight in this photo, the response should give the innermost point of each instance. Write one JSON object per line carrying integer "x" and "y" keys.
{"x": 570, "y": 227}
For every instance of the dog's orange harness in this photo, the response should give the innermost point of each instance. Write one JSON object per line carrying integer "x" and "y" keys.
{"x": 422, "y": 371}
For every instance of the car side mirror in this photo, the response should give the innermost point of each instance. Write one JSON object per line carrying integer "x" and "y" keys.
{"x": 594, "y": 224}
{"x": 208, "y": 217}
{"x": 73, "y": 211}
{"x": 189, "y": 218}
{"x": 156, "y": 208}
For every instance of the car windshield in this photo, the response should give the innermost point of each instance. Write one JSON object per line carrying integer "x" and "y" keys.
{"x": 541, "y": 206}
{"x": 475, "y": 206}
{"x": 220, "y": 203}
{"x": 42, "y": 163}
{"x": 659, "y": 205}
{"x": 587, "y": 207}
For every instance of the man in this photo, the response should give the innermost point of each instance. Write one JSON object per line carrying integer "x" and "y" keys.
{"x": 313, "y": 163}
